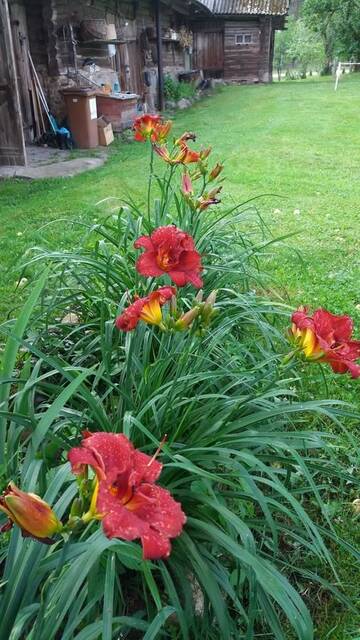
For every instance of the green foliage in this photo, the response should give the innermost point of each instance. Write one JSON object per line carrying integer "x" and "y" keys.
{"x": 238, "y": 458}
{"x": 338, "y": 23}
{"x": 175, "y": 90}
{"x": 298, "y": 50}
{"x": 238, "y": 374}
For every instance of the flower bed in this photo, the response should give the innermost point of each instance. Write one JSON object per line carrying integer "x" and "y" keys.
{"x": 149, "y": 396}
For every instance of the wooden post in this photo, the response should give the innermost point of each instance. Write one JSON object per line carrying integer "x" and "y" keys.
{"x": 159, "y": 55}
{"x": 12, "y": 142}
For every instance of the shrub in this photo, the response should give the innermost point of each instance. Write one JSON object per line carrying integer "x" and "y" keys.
{"x": 175, "y": 90}
{"x": 250, "y": 478}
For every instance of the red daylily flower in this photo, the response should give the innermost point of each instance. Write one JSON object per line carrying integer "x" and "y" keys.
{"x": 147, "y": 309}
{"x": 172, "y": 251}
{"x": 144, "y": 126}
{"x": 327, "y": 337}
{"x": 127, "y": 500}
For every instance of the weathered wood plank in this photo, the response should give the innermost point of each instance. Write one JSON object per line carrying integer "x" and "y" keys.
{"x": 12, "y": 144}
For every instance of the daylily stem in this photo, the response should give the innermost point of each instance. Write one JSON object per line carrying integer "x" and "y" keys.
{"x": 150, "y": 182}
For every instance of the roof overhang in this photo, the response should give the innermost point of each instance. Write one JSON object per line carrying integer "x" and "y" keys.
{"x": 246, "y": 7}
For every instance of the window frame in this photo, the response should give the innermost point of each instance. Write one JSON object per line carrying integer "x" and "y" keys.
{"x": 243, "y": 35}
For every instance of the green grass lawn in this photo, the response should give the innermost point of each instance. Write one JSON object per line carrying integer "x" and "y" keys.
{"x": 299, "y": 141}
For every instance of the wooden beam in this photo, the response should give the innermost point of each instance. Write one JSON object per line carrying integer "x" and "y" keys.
{"x": 159, "y": 55}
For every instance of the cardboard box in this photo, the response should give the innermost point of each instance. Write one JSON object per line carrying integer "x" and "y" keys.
{"x": 105, "y": 132}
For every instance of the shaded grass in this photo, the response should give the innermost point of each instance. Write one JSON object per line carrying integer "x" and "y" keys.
{"x": 298, "y": 141}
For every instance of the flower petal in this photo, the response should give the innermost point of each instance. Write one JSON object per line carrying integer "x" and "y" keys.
{"x": 155, "y": 546}
{"x": 79, "y": 458}
{"x": 114, "y": 449}
{"x": 146, "y": 265}
{"x": 145, "y": 468}
{"x": 144, "y": 242}
{"x": 157, "y": 507}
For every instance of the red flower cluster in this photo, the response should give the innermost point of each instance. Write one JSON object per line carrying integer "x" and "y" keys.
{"x": 327, "y": 337}
{"x": 128, "y": 502}
{"x": 147, "y": 309}
{"x": 172, "y": 251}
{"x": 151, "y": 127}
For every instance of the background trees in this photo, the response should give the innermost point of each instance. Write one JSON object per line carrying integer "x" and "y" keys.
{"x": 338, "y": 24}
{"x": 298, "y": 50}
{"x": 319, "y": 32}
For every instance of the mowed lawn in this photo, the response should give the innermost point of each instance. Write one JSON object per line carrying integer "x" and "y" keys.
{"x": 299, "y": 142}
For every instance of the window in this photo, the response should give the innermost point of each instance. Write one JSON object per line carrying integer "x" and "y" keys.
{"x": 244, "y": 38}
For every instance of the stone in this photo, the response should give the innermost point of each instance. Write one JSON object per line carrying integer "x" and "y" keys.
{"x": 70, "y": 318}
{"x": 170, "y": 104}
{"x": 184, "y": 103}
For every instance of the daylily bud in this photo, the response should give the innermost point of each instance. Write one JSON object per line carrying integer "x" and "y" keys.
{"x": 76, "y": 508}
{"x": 173, "y": 305}
{"x": 199, "y": 296}
{"x": 186, "y": 185}
{"x": 27, "y": 510}
{"x": 212, "y": 297}
{"x": 204, "y": 153}
{"x": 215, "y": 172}
{"x": 186, "y": 320}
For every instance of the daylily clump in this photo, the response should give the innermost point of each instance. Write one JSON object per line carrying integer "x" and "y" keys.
{"x": 28, "y": 511}
{"x": 127, "y": 500}
{"x": 326, "y": 337}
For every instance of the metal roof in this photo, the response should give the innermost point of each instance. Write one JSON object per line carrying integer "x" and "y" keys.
{"x": 247, "y": 7}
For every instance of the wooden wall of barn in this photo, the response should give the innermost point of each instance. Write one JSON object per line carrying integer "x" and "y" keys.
{"x": 248, "y": 62}
{"x": 218, "y": 54}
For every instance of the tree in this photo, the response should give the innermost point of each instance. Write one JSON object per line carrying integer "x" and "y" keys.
{"x": 338, "y": 23}
{"x": 298, "y": 47}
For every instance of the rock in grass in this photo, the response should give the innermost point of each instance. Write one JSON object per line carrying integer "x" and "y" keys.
{"x": 184, "y": 103}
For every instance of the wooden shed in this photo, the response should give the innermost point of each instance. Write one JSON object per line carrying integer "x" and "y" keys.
{"x": 127, "y": 46}
{"x": 236, "y": 40}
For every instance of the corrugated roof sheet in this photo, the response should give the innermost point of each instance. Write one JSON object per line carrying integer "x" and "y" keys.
{"x": 247, "y": 7}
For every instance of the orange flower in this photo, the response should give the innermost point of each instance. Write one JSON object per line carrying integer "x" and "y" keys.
{"x": 161, "y": 132}
{"x": 190, "y": 155}
{"x": 173, "y": 160}
{"x": 144, "y": 127}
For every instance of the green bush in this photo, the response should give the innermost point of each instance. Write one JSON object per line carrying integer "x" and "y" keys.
{"x": 175, "y": 90}
{"x": 245, "y": 456}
